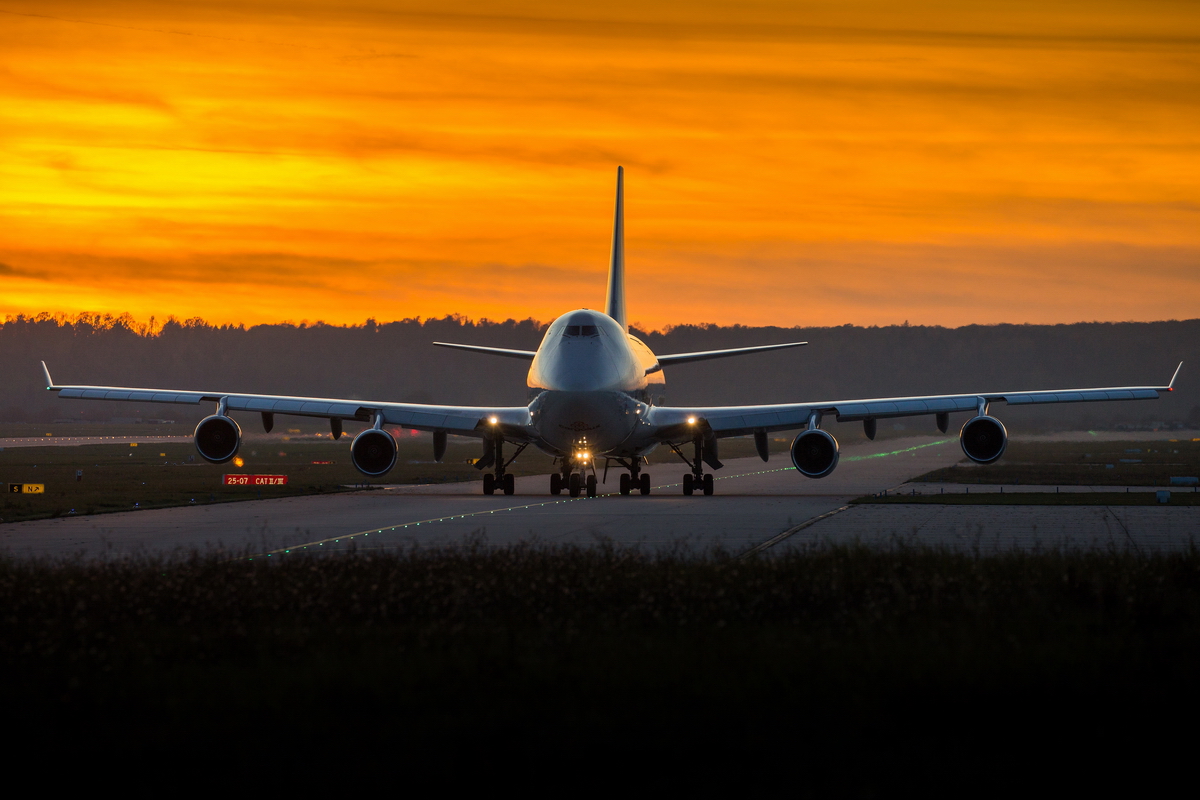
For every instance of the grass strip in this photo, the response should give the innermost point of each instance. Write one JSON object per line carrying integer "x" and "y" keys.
{"x": 1140, "y": 498}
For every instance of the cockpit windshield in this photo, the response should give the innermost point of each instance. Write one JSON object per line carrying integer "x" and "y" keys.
{"x": 581, "y": 330}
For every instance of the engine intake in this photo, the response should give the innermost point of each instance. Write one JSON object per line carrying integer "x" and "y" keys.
{"x": 815, "y": 453}
{"x": 983, "y": 439}
{"x": 373, "y": 452}
{"x": 218, "y": 439}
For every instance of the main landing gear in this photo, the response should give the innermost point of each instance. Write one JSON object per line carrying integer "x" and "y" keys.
{"x": 493, "y": 454}
{"x": 698, "y": 479}
{"x": 635, "y": 480}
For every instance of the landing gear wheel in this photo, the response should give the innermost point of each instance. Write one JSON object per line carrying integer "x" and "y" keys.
{"x": 708, "y": 484}
{"x": 555, "y": 483}
{"x": 591, "y": 485}
{"x": 625, "y": 483}
{"x": 689, "y": 484}
{"x": 510, "y": 483}
{"x": 489, "y": 483}
{"x": 574, "y": 484}
{"x": 644, "y": 483}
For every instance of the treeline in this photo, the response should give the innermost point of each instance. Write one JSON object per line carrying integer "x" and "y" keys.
{"x": 395, "y": 361}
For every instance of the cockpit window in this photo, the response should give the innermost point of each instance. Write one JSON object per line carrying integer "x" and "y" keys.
{"x": 571, "y": 330}
{"x": 589, "y": 330}
{"x": 581, "y": 330}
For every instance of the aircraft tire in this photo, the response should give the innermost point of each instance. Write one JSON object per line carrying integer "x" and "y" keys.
{"x": 625, "y": 483}
{"x": 708, "y": 484}
{"x": 489, "y": 483}
{"x": 556, "y": 486}
{"x": 591, "y": 485}
{"x": 688, "y": 484}
{"x": 574, "y": 484}
{"x": 644, "y": 483}
{"x": 510, "y": 483}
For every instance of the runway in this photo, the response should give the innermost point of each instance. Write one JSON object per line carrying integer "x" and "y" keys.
{"x": 754, "y": 504}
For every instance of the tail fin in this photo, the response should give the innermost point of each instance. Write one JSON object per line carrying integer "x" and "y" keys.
{"x": 614, "y": 304}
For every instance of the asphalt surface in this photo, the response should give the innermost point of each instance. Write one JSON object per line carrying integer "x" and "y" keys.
{"x": 755, "y": 504}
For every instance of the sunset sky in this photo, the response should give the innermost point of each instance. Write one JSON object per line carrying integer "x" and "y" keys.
{"x": 787, "y": 163}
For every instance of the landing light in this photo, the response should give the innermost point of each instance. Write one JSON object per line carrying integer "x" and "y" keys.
{"x": 691, "y": 420}
{"x": 493, "y": 420}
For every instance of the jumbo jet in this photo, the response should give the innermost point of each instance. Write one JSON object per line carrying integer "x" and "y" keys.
{"x": 596, "y": 392}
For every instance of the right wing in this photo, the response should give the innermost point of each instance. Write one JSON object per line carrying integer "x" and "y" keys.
{"x": 513, "y": 422}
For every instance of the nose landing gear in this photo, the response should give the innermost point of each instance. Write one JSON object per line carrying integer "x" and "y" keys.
{"x": 575, "y": 483}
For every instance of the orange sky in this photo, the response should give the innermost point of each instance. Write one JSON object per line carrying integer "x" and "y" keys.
{"x": 788, "y": 163}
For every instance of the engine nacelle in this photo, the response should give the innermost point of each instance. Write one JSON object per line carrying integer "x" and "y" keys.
{"x": 373, "y": 452}
{"x": 815, "y": 453}
{"x": 983, "y": 439}
{"x": 218, "y": 439}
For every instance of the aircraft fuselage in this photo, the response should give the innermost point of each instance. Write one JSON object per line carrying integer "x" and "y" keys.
{"x": 591, "y": 384}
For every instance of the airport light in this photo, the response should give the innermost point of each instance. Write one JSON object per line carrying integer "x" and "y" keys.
{"x": 493, "y": 420}
{"x": 691, "y": 420}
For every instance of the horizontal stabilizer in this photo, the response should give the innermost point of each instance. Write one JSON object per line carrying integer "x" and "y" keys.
{"x": 683, "y": 358}
{"x": 493, "y": 351}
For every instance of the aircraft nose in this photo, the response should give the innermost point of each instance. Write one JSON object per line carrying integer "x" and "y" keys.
{"x": 582, "y": 366}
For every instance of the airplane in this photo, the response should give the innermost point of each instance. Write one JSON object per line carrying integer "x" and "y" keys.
{"x": 597, "y": 392}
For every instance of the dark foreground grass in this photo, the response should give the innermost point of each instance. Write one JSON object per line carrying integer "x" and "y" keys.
{"x": 843, "y": 668}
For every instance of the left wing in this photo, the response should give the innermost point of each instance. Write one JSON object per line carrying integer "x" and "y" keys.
{"x": 460, "y": 420}
{"x": 678, "y": 423}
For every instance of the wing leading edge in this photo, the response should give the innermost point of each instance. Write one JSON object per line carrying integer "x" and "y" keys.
{"x": 740, "y": 420}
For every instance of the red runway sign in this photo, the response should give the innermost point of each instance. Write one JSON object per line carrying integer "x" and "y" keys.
{"x": 255, "y": 480}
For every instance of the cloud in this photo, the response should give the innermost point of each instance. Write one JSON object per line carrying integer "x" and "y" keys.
{"x": 786, "y": 161}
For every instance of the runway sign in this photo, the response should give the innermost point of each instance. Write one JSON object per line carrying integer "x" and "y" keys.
{"x": 27, "y": 488}
{"x": 255, "y": 480}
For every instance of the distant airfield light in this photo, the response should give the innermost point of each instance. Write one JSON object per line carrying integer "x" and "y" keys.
{"x": 691, "y": 420}
{"x": 493, "y": 420}
{"x": 239, "y": 461}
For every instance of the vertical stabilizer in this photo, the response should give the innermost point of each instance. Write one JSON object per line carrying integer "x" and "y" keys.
{"x": 614, "y": 304}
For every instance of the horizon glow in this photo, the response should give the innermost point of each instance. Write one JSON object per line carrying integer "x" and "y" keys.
{"x": 787, "y": 163}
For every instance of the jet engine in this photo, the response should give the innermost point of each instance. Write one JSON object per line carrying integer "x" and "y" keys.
{"x": 983, "y": 439}
{"x": 218, "y": 438}
{"x": 373, "y": 452}
{"x": 815, "y": 453}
